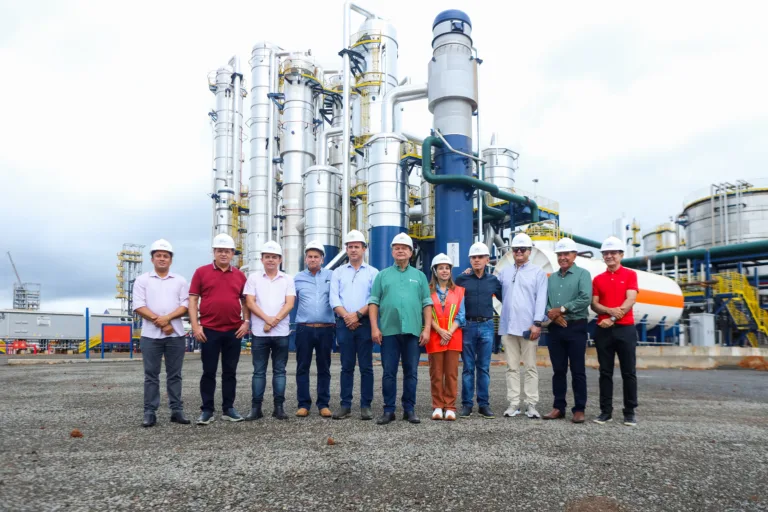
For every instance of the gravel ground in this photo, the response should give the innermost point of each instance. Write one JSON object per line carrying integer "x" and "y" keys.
{"x": 701, "y": 444}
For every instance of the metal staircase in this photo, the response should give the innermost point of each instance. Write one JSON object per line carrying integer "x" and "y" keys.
{"x": 743, "y": 305}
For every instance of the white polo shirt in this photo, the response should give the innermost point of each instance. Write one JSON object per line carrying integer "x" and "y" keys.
{"x": 270, "y": 296}
{"x": 162, "y": 295}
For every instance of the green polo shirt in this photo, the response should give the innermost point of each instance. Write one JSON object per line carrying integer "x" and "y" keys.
{"x": 401, "y": 296}
{"x": 572, "y": 290}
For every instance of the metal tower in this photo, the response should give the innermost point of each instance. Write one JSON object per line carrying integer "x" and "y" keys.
{"x": 25, "y": 295}
{"x": 129, "y": 262}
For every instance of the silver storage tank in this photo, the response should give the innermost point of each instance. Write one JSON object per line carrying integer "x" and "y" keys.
{"x": 297, "y": 149}
{"x": 322, "y": 205}
{"x": 662, "y": 239}
{"x": 747, "y": 218}
{"x": 387, "y": 183}
{"x": 500, "y": 167}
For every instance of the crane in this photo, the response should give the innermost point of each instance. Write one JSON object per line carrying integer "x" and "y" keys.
{"x": 14, "y": 268}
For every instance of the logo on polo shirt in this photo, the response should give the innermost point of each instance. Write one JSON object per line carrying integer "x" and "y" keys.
{"x": 414, "y": 281}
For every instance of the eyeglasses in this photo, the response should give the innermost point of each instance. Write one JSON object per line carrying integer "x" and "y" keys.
{"x": 611, "y": 253}
{"x": 519, "y": 249}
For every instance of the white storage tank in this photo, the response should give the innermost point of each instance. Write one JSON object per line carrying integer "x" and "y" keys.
{"x": 662, "y": 239}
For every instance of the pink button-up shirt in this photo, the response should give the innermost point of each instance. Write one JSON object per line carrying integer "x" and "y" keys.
{"x": 162, "y": 295}
{"x": 270, "y": 296}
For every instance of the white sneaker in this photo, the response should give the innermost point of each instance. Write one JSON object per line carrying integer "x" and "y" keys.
{"x": 450, "y": 416}
{"x": 512, "y": 411}
{"x": 437, "y": 414}
{"x": 531, "y": 412}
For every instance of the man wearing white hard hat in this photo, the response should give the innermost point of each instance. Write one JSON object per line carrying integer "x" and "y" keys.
{"x": 270, "y": 295}
{"x": 479, "y": 331}
{"x": 350, "y": 290}
{"x": 444, "y": 347}
{"x": 614, "y": 293}
{"x": 401, "y": 295}
{"x": 569, "y": 294}
{"x": 315, "y": 325}
{"x": 524, "y": 287}
{"x": 161, "y": 298}
{"x": 217, "y": 290}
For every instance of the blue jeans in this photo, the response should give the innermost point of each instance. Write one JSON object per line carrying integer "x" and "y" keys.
{"x": 355, "y": 346}
{"x": 476, "y": 357}
{"x": 260, "y": 350}
{"x": 568, "y": 345}
{"x": 226, "y": 344}
{"x": 319, "y": 340}
{"x": 392, "y": 347}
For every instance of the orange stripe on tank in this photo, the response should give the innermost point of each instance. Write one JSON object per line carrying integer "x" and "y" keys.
{"x": 660, "y": 298}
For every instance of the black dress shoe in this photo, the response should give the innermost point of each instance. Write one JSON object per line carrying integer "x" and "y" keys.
{"x": 466, "y": 411}
{"x": 387, "y": 417}
{"x": 410, "y": 417}
{"x": 279, "y": 413}
{"x": 255, "y": 414}
{"x": 178, "y": 417}
{"x": 342, "y": 414}
{"x": 149, "y": 419}
{"x": 366, "y": 414}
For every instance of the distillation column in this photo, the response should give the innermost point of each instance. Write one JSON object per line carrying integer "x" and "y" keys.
{"x": 452, "y": 101}
{"x": 263, "y": 66}
{"x": 297, "y": 150}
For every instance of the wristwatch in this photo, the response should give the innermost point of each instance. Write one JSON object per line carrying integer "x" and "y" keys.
{"x": 359, "y": 315}
{"x": 562, "y": 309}
{"x": 537, "y": 323}
{"x": 613, "y": 319}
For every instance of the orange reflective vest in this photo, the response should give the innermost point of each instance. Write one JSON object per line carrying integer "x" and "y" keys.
{"x": 445, "y": 315}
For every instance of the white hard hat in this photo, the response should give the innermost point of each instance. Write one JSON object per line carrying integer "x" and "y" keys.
{"x": 402, "y": 239}
{"x": 613, "y": 244}
{"x": 440, "y": 259}
{"x": 522, "y": 240}
{"x": 223, "y": 241}
{"x": 314, "y": 244}
{"x": 479, "y": 249}
{"x": 271, "y": 248}
{"x": 161, "y": 245}
{"x": 566, "y": 245}
{"x": 354, "y": 236}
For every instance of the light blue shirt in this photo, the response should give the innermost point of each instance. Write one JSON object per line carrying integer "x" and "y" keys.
{"x": 461, "y": 316}
{"x": 524, "y": 290}
{"x": 351, "y": 288}
{"x": 313, "y": 292}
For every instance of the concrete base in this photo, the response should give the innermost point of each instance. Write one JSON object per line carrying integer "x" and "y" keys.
{"x": 691, "y": 358}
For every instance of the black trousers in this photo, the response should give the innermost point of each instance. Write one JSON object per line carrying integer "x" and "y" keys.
{"x": 222, "y": 343}
{"x": 568, "y": 345}
{"x": 618, "y": 340}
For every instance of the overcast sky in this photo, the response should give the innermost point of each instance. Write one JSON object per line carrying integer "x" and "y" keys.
{"x": 615, "y": 108}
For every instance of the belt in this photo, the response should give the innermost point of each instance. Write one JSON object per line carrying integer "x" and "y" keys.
{"x": 478, "y": 319}
{"x": 318, "y": 325}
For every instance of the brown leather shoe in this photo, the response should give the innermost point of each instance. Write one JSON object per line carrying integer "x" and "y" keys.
{"x": 325, "y": 412}
{"x": 578, "y": 417}
{"x": 302, "y": 412}
{"x": 556, "y": 414}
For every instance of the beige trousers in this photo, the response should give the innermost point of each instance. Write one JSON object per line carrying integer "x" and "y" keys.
{"x": 517, "y": 349}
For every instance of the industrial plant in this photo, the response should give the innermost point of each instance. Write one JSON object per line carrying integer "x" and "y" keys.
{"x": 328, "y": 152}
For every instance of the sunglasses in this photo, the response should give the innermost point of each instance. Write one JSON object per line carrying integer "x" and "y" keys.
{"x": 519, "y": 249}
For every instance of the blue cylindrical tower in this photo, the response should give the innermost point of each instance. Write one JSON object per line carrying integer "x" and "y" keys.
{"x": 452, "y": 94}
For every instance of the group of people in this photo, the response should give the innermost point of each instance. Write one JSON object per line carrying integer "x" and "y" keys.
{"x": 398, "y": 309}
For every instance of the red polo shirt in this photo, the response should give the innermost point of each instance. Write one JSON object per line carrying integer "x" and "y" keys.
{"x": 611, "y": 290}
{"x": 220, "y": 292}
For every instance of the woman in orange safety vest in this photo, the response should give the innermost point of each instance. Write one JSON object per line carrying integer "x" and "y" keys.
{"x": 444, "y": 347}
